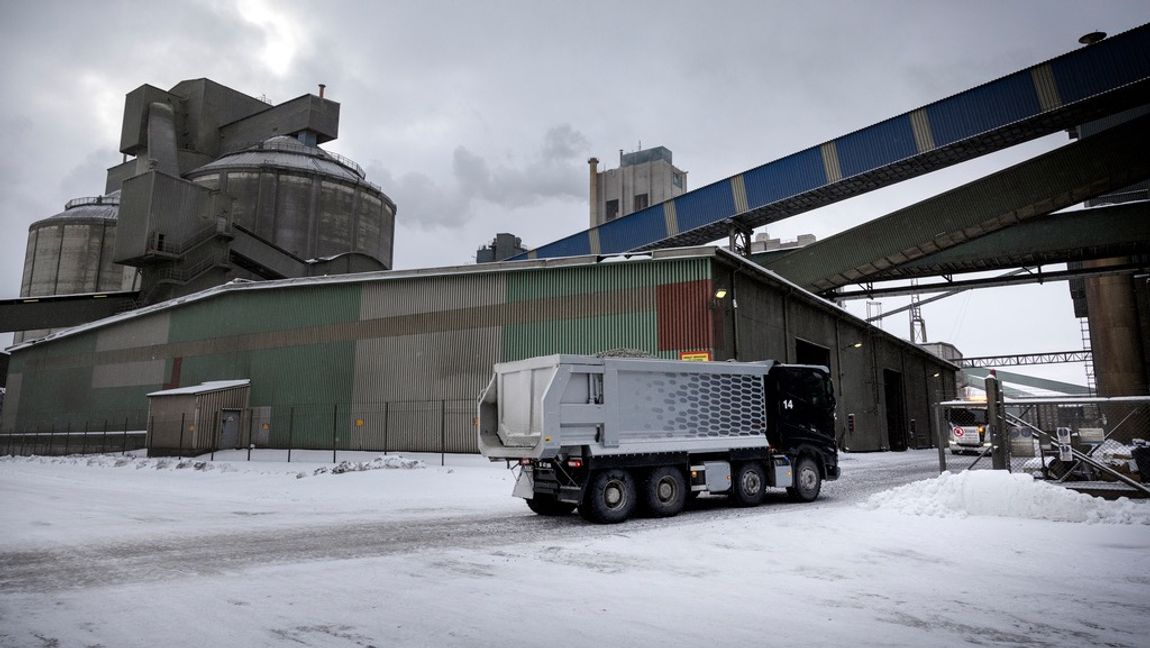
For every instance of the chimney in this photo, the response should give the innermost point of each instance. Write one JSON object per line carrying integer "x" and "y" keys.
{"x": 322, "y": 87}
{"x": 593, "y": 167}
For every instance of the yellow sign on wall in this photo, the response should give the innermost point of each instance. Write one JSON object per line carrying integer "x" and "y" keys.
{"x": 695, "y": 356}
{"x": 358, "y": 422}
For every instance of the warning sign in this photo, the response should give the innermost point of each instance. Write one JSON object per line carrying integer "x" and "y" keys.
{"x": 695, "y": 356}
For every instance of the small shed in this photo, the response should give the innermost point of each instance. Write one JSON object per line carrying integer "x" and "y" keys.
{"x": 199, "y": 418}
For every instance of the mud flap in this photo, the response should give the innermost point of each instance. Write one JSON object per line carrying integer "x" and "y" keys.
{"x": 524, "y": 485}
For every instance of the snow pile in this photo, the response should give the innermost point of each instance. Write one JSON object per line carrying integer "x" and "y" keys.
{"x": 1002, "y": 494}
{"x": 1113, "y": 453}
{"x": 122, "y": 461}
{"x": 390, "y": 461}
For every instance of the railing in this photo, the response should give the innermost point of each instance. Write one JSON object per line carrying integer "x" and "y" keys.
{"x": 91, "y": 200}
{"x": 101, "y": 436}
{"x": 302, "y": 149}
{"x": 197, "y": 237}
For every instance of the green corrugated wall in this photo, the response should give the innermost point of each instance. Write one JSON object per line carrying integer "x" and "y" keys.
{"x": 588, "y": 309}
{"x": 298, "y": 344}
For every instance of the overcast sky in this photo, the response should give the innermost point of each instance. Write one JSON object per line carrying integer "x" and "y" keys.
{"x": 478, "y": 117}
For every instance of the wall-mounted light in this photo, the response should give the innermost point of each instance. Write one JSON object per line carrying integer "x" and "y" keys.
{"x": 936, "y": 374}
{"x": 720, "y": 293}
{"x": 856, "y": 345}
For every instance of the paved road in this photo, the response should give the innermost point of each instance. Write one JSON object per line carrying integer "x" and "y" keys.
{"x": 160, "y": 559}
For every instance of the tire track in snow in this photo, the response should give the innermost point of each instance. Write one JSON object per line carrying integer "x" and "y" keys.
{"x": 165, "y": 558}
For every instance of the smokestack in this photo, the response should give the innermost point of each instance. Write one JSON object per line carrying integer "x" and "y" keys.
{"x": 593, "y": 168}
{"x": 322, "y": 87}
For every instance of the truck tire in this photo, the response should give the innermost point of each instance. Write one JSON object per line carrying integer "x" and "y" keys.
{"x": 664, "y": 492}
{"x": 749, "y": 484}
{"x": 549, "y": 506}
{"x": 609, "y": 497}
{"x": 808, "y": 481}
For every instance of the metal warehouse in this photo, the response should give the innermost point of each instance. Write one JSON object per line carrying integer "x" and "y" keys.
{"x": 395, "y": 360}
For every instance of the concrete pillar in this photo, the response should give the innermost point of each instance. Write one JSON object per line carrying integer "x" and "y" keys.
{"x": 1115, "y": 337}
{"x": 1116, "y": 341}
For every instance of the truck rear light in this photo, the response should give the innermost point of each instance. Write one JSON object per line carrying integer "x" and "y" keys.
{"x": 525, "y": 461}
{"x": 574, "y": 463}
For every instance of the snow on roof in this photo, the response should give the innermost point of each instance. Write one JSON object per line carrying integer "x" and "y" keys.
{"x": 203, "y": 388}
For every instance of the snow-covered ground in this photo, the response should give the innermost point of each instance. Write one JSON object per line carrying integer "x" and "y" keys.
{"x": 112, "y": 551}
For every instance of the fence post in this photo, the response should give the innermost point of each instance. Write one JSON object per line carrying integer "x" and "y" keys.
{"x": 385, "y": 427}
{"x": 251, "y": 422}
{"x": 51, "y": 438}
{"x": 334, "y": 423}
{"x": 84, "y": 439}
{"x": 180, "y": 450}
{"x": 104, "y": 443}
{"x": 67, "y": 438}
{"x": 291, "y": 427}
{"x": 124, "y": 443}
{"x": 995, "y": 422}
{"x": 943, "y": 437}
{"x": 149, "y": 435}
{"x": 442, "y": 432}
{"x": 215, "y": 429}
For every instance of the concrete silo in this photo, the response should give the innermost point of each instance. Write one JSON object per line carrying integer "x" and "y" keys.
{"x": 71, "y": 253}
{"x": 312, "y": 203}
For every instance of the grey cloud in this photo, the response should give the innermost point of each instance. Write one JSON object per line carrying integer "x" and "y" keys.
{"x": 556, "y": 171}
{"x": 88, "y": 177}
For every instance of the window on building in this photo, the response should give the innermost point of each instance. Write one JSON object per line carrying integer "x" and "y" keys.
{"x": 640, "y": 201}
{"x": 677, "y": 180}
{"x": 612, "y": 209}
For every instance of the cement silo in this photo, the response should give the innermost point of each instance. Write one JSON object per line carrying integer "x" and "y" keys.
{"x": 71, "y": 253}
{"x": 307, "y": 201}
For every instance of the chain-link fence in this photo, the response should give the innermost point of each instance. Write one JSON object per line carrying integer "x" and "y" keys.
{"x": 1058, "y": 439}
{"x": 436, "y": 426}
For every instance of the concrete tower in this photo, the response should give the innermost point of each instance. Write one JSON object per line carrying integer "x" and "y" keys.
{"x": 644, "y": 178}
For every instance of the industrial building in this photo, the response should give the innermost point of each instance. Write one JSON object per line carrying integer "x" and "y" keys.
{"x": 502, "y": 247}
{"x": 644, "y": 177}
{"x": 395, "y": 359}
{"x": 215, "y": 185}
{"x": 239, "y": 225}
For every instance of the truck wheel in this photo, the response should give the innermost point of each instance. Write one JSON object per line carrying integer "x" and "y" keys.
{"x": 549, "y": 506}
{"x": 748, "y": 484}
{"x": 664, "y": 492}
{"x": 808, "y": 481}
{"x": 609, "y": 498}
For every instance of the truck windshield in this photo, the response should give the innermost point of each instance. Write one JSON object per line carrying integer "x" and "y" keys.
{"x": 966, "y": 416}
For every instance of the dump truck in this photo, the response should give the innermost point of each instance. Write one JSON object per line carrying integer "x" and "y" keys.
{"x": 615, "y": 436}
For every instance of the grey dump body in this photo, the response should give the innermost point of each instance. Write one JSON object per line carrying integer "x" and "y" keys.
{"x": 566, "y": 418}
{"x": 613, "y": 406}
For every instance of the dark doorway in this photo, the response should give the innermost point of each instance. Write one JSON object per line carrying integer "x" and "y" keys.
{"x": 812, "y": 354}
{"x": 895, "y": 409}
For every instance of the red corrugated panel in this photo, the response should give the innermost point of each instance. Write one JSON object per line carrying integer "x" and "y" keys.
{"x": 684, "y": 315}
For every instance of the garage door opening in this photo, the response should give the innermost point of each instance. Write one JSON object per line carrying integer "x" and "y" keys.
{"x": 809, "y": 353}
{"x": 895, "y": 409}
